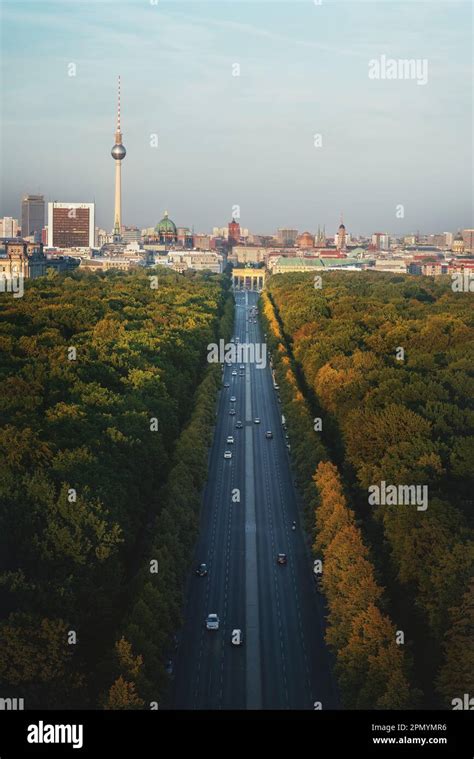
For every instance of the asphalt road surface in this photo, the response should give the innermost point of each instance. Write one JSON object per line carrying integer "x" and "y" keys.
{"x": 283, "y": 662}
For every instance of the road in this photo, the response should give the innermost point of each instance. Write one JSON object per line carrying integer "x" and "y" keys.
{"x": 283, "y": 663}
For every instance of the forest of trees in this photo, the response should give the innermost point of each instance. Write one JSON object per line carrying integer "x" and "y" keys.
{"x": 386, "y": 363}
{"x": 107, "y": 406}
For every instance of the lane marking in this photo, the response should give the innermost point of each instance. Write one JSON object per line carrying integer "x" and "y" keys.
{"x": 253, "y": 671}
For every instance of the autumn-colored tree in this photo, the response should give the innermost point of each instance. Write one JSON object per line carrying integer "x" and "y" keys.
{"x": 456, "y": 675}
{"x": 122, "y": 695}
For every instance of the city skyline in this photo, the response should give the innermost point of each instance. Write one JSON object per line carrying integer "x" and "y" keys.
{"x": 225, "y": 141}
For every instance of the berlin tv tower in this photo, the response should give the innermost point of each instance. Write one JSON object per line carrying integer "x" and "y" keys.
{"x": 118, "y": 154}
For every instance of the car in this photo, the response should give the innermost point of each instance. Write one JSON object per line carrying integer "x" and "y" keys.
{"x": 241, "y": 366}
{"x": 239, "y": 425}
{"x": 212, "y": 622}
{"x": 169, "y": 668}
{"x": 234, "y": 373}
{"x": 226, "y": 384}
{"x": 269, "y": 434}
{"x": 288, "y": 446}
{"x": 237, "y": 339}
{"x": 233, "y": 399}
{"x": 201, "y": 571}
{"x": 227, "y": 454}
{"x": 256, "y": 420}
{"x": 282, "y": 558}
{"x": 230, "y": 439}
{"x": 237, "y": 637}
{"x": 232, "y": 340}
{"x": 277, "y": 387}
{"x": 232, "y": 411}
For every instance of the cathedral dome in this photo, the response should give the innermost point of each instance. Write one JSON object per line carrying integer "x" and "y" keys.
{"x": 306, "y": 240}
{"x": 166, "y": 226}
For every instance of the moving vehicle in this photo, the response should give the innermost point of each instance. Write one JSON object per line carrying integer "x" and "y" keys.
{"x": 238, "y": 425}
{"x": 282, "y": 558}
{"x": 233, "y": 399}
{"x": 230, "y": 439}
{"x": 212, "y": 622}
{"x": 269, "y": 434}
{"x": 201, "y": 571}
{"x": 293, "y": 526}
{"x": 226, "y": 384}
{"x": 232, "y": 411}
{"x": 237, "y": 637}
{"x": 256, "y": 420}
{"x": 234, "y": 373}
{"x": 227, "y": 454}
{"x": 241, "y": 366}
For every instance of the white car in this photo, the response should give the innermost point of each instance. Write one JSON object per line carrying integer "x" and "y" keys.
{"x": 230, "y": 439}
{"x": 256, "y": 420}
{"x": 227, "y": 454}
{"x": 233, "y": 399}
{"x": 241, "y": 366}
{"x": 234, "y": 373}
{"x": 226, "y": 384}
{"x": 212, "y": 622}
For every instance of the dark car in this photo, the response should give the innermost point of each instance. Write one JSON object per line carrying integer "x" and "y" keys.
{"x": 269, "y": 434}
{"x": 238, "y": 425}
{"x": 201, "y": 571}
{"x": 282, "y": 558}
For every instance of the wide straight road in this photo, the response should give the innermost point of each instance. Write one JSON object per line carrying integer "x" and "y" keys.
{"x": 249, "y": 506}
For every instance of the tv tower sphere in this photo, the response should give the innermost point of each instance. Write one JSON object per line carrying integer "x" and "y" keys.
{"x": 118, "y": 152}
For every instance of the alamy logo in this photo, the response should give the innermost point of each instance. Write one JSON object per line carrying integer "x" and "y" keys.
{"x": 399, "y": 495}
{"x": 13, "y": 284}
{"x": 42, "y": 733}
{"x": 400, "y": 68}
{"x": 238, "y": 353}
{"x": 465, "y": 702}
{"x": 12, "y": 704}
{"x": 462, "y": 282}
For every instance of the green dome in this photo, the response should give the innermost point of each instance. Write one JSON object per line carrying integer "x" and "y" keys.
{"x": 166, "y": 226}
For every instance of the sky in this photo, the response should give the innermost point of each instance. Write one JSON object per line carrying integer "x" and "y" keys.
{"x": 393, "y": 155}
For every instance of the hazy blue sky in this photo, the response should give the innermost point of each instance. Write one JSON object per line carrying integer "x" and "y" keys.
{"x": 243, "y": 140}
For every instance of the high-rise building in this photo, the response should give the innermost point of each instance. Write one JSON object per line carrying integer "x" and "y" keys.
{"x": 71, "y": 225}
{"x": 381, "y": 241}
{"x": 32, "y": 216}
{"x": 118, "y": 154}
{"x": 287, "y": 236}
{"x": 9, "y": 227}
{"x": 468, "y": 237}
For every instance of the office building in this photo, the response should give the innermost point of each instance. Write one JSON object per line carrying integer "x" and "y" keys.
{"x": 32, "y": 216}
{"x": 71, "y": 225}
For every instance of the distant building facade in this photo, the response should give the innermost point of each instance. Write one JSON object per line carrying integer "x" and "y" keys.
{"x": 287, "y": 236}
{"x": 71, "y": 225}
{"x": 32, "y": 216}
{"x": 19, "y": 258}
{"x": 9, "y": 227}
